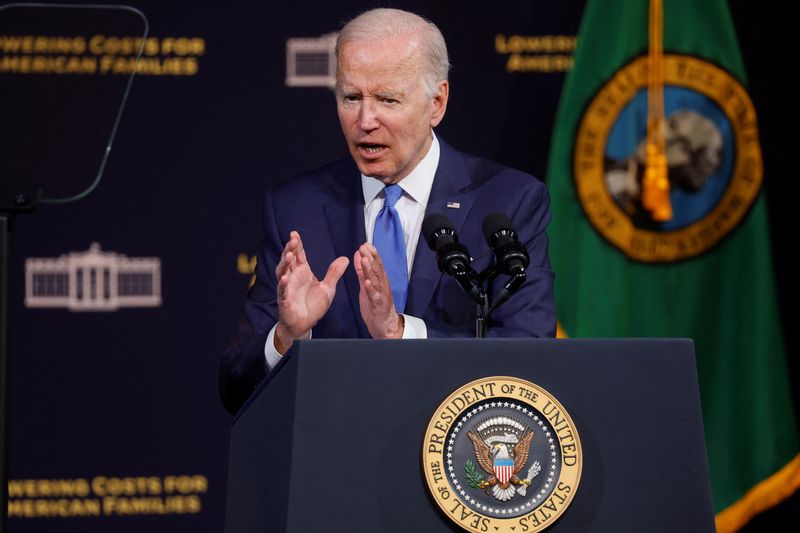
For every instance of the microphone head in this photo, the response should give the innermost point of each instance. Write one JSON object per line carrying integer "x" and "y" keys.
{"x": 434, "y": 226}
{"x": 510, "y": 255}
{"x": 496, "y": 222}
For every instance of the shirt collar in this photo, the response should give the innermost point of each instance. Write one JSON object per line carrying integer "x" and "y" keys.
{"x": 417, "y": 184}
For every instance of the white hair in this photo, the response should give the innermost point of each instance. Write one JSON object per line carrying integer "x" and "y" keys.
{"x": 381, "y": 23}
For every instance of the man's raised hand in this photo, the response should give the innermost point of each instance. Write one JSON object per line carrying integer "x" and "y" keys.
{"x": 302, "y": 299}
{"x": 375, "y": 297}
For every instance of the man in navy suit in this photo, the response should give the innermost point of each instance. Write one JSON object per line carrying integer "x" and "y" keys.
{"x": 392, "y": 90}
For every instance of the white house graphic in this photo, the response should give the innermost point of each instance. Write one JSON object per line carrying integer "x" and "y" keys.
{"x": 93, "y": 281}
{"x": 311, "y": 62}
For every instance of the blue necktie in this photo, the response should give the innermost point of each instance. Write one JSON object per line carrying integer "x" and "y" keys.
{"x": 388, "y": 239}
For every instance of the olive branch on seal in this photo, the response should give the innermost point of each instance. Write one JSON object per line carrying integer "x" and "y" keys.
{"x": 474, "y": 478}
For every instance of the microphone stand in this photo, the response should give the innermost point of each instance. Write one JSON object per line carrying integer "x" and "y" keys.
{"x": 482, "y": 308}
{"x": 472, "y": 284}
{"x": 481, "y": 315}
{"x": 12, "y": 203}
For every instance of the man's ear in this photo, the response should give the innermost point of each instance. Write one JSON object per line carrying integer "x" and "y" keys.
{"x": 439, "y": 102}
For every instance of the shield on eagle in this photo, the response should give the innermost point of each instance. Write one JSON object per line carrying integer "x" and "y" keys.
{"x": 503, "y": 469}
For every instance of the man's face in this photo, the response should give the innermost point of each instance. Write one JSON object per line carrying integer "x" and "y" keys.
{"x": 385, "y": 114}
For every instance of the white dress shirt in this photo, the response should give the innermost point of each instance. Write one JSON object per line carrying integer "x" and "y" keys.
{"x": 411, "y": 208}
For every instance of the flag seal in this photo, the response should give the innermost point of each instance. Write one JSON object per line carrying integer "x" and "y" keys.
{"x": 715, "y": 168}
{"x": 502, "y": 454}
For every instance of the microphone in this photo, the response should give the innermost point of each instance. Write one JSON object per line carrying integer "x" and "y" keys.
{"x": 452, "y": 257}
{"x": 511, "y": 256}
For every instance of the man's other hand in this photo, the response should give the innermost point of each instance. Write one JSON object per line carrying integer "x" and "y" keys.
{"x": 302, "y": 299}
{"x": 375, "y": 296}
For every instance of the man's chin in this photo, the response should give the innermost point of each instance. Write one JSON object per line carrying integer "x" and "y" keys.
{"x": 375, "y": 171}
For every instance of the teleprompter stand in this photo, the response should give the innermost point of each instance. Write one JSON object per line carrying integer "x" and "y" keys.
{"x": 331, "y": 441}
{"x": 57, "y": 132}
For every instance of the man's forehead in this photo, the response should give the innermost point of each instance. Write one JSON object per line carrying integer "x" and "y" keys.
{"x": 379, "y": 67}
{"x": 388, "y": 55}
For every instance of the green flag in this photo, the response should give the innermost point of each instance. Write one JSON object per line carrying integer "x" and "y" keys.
{"x": 705, "y": 273}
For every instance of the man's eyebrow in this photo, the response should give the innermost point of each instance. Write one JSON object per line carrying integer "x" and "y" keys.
{"x": 388, "y": 94}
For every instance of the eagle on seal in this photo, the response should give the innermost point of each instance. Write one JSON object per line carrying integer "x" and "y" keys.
{"x": 502, "y": 463}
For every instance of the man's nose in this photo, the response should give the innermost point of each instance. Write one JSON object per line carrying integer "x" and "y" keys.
{"x": 368, "y": 115}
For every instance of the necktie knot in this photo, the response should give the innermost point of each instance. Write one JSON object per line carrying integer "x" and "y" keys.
{"x": 391, "y": 194}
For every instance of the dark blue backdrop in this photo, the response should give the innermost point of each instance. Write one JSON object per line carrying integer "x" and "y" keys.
{"x": 133, "y": 393}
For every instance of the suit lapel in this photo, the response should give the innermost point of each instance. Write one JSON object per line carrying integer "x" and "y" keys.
{"x": 344, "y": 216}
{"x": 450, "y": 185}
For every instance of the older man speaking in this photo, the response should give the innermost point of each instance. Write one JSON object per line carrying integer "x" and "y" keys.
{"x": 392, "y": 90}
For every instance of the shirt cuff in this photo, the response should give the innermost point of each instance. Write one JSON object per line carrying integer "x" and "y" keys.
{"x": 415, "y": 328}
{"x": 270, "y": 353}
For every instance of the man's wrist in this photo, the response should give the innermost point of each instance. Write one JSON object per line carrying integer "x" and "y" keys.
{"x": 283, "y": 339}
{"x": 389, "y": 328}
{"x": 401, "y": 326}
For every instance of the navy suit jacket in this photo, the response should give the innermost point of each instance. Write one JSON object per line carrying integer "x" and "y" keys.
{"x": 326, "y": 207}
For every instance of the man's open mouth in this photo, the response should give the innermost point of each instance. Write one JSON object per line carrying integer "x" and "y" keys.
{"x": 371, "y": 148}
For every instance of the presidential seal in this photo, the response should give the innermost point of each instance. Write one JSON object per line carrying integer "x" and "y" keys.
{"x": 502, "y": 455}
{"x": 709, "y": 140}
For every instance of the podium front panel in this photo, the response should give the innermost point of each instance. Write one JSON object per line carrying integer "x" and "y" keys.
{"x": 359, "y": 409}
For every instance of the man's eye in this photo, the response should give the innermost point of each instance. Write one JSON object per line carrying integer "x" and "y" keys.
{"x": 388, "y": 100}
{"x": 351, "y": 98}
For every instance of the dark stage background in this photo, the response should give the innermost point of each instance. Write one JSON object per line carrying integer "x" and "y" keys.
{"x": 123, "y": 404}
